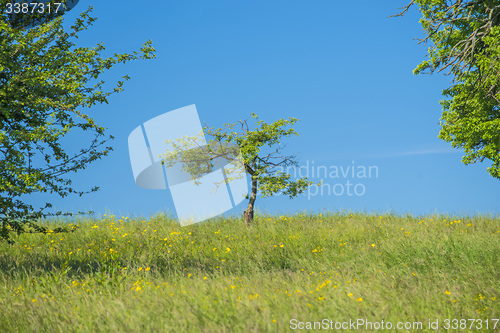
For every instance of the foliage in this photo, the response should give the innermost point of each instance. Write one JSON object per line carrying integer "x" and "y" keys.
{"x": 465, "y": 37}
{"x": 199, "y": 158}
{"x": 46, "y": 82}
{"x": 261, "y": 151}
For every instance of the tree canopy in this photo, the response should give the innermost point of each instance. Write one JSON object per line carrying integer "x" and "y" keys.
{"x": 465, "y": 43}
{"x": 258, "y": 147}
{"x": 47, "y": 84}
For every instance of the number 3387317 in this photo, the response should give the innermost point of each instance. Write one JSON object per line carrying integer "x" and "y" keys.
{"x": 32, "y": 7}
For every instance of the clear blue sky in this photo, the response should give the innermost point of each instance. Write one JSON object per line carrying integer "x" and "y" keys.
{"x": 343, "y": 68}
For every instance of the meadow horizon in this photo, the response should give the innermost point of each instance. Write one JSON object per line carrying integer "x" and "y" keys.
{"x": 282, "y": 271}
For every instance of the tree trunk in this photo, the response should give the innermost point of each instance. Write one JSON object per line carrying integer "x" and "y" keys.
{"x": 248, "y": 214}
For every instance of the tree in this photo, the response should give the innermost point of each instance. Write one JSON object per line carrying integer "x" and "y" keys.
{"x": 46, "y": 83}
{"x": 465, "y": 37}
{"x": 259, "y": 150}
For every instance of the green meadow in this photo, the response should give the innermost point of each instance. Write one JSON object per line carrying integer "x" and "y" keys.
{"x": 119, "y": 274}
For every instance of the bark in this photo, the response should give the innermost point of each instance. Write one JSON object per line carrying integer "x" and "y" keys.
{"x": 248, "y": 214}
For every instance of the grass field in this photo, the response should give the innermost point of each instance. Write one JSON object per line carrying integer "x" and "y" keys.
{"x": 150, "y": 275}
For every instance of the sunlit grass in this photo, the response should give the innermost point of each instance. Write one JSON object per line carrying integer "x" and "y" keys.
{"x": 135, "y": 274}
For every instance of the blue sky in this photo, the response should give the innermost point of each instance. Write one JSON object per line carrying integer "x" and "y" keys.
{"x": 343, "y": 68}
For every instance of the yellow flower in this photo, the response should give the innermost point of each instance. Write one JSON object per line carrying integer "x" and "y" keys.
{"x": 140, "y": 269}
{"x": 138, "y": 288}
{"x": 204, "y": 278}
{"x": 373, "y": 245}
{"x": 147, "y": 269}
{"x": 447, "y": 292}
{"x": 350, "y": 294}
{"x": 359, "y": 300}
{"x": 228, "y": 249}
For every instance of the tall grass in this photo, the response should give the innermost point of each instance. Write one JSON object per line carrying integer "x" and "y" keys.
{"x": 140, "y": 275}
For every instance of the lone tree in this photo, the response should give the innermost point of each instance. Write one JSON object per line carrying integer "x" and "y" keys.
{"x": 46, "y": 83}
{"x": 465, "y": 37}
{"x": 260, "y": 153}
